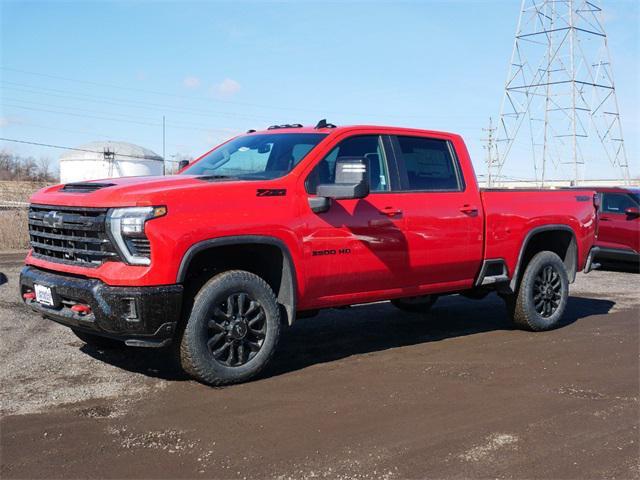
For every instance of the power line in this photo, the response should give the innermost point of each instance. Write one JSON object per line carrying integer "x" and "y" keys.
{"x": 121, "y": 101}
{"x": 201, "y": 97}
{"x": 26, "y": 142}
{"x": 125, "y": 119}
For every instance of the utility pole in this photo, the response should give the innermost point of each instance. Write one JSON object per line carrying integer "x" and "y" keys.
{"x": 164, "y": 161}
{"x": 560, "y": 79}
{"x": 489, "y": 147}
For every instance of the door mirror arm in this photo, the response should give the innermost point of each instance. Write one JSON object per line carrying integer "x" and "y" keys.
{"x": 319, "y": 204}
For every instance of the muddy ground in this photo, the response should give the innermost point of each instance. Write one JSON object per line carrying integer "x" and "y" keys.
{"x": 368, "y": 392}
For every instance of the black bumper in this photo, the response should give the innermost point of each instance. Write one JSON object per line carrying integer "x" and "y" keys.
{"x": 142, "y": 316}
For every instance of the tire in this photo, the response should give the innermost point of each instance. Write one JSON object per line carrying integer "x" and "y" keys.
{"x": 542, "y": 295}
{"x": 97, "y": 341}
{"x": 420, "y": 304}
{"x": 232, "y": 331}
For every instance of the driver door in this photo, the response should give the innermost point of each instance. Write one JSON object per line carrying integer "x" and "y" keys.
{"x": 357, "y": 245}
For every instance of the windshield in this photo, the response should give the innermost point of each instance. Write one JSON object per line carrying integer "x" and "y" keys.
{"x": 256, "y": 157}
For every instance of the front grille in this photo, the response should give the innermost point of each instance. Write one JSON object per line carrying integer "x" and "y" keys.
{"x": 70, "y": 234}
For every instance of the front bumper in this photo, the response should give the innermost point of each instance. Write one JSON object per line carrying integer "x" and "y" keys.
{"x": 140, "y": 316}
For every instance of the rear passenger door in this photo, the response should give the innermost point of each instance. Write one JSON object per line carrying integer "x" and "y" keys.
{"x": 443, "y": 217}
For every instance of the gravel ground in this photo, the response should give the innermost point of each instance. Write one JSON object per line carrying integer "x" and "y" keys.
{"x": 367, "y": 392}
{"x": 45, "y": 364}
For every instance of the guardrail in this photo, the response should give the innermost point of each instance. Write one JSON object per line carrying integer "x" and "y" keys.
{"x": 13, "y": 205}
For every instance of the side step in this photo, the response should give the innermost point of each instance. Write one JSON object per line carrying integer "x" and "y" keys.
{"x": 492, "y": 272}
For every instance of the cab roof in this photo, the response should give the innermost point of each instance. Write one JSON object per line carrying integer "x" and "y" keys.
{"x": 345, "y": 128}
{"x": 634, "y": 189}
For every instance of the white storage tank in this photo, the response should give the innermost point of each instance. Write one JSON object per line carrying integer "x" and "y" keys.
{"x": 96, "y": 160}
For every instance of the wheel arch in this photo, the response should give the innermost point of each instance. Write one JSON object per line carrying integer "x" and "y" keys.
{"x": 560, "y": 239}
{"x": 284, "y": 284}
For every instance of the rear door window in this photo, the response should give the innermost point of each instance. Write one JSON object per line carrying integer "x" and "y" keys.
{"x": 427, "y": 164}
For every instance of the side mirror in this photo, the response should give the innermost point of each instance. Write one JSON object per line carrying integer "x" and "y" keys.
{"x": 351, "y": 180}
{"x": 632, "y": 212}
{"x": 183, "y": 164}
{"x": 3, "y": 278}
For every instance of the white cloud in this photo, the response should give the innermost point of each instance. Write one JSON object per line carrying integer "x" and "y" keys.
{"x": 227, "y": 88}
{"x": 4, "y": 122}
{"x": 191, "y": 82}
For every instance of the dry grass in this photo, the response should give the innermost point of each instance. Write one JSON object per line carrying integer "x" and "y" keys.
{"x": 18, "y": 191}
{"x": 13, "y": 230}
{"x": 13, "y": 222}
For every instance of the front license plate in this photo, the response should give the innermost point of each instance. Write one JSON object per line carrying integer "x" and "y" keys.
{"x": 43, "y": 295}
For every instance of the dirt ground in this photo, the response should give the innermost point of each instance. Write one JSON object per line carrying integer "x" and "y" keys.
{"x": 367, "y": 392}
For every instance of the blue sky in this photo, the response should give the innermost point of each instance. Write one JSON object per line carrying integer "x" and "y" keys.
{"x": 82, "y": 71}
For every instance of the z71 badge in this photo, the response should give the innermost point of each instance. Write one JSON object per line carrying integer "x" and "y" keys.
{"x": 271, "y": 192}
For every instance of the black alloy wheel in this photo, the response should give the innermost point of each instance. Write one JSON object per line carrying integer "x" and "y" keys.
{"x": 237, "y": 330}
{"x": 547, "y": 291}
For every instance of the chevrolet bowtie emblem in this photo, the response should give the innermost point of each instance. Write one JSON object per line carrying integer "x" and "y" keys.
{"x": 53, "y": 219}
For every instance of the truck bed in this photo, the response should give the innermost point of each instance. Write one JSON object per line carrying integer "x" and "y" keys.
{"x": 513, "y": 214}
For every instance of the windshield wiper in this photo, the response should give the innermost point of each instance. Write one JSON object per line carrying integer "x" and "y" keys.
{"x": 215, "y": 177}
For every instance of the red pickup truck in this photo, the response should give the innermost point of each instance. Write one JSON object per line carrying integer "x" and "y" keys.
{"x": 619, "y": 226}
{"x": 283, "y": 222}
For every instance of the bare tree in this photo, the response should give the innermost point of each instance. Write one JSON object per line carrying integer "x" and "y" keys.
{"x": 16, "y": 167}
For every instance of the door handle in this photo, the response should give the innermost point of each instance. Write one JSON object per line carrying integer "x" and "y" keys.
{"x": 605, "y": 219}
{"x": 390, "y": 211}
{"x": 469, "y": 210}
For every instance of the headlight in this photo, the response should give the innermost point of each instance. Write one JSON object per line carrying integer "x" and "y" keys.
{"x": 126, "y": 228}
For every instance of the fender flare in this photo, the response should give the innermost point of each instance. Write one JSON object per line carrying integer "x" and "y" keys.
{"x": 287, "y": 294}
{"x": 573, "y": 245}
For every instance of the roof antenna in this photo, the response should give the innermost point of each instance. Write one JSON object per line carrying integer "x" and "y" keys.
{"x": 323, "y": 124}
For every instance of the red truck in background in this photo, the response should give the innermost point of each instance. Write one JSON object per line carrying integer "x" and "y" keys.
{"x": 619, "y": 226}
{"x": 280, "y": 223}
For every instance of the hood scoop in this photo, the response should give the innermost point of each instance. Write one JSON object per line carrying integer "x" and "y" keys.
{"x": 84, "y": 187}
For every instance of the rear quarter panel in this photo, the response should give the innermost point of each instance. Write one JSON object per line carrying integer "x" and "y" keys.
{"x": 512, "y": 214}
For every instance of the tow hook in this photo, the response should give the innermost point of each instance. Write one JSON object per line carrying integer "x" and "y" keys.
{"x": 81, "y": 309}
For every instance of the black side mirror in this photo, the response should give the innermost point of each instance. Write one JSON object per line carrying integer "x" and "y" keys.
{"x": 183, "y": 164}
{"x": 632, "y": 212}
{"x": 351, "y": 180}
{"x": 3, "y": 278}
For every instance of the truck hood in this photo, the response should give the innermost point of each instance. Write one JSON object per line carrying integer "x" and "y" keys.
{"x": 131, "y": 191}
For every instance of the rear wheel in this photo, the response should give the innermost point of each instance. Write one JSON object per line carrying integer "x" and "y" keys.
{"x": 97, "y": 341}
{"x": 233, "y": 329}
{"x": 542, "y": 295}
{"x": 421, "y": 304}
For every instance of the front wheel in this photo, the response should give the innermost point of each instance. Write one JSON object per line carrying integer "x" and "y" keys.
{"x": 542, "y": 295}
{"x": 233, "y": 329}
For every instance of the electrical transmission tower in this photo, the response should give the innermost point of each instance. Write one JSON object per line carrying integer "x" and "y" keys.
{"x": 559, "y": 112}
